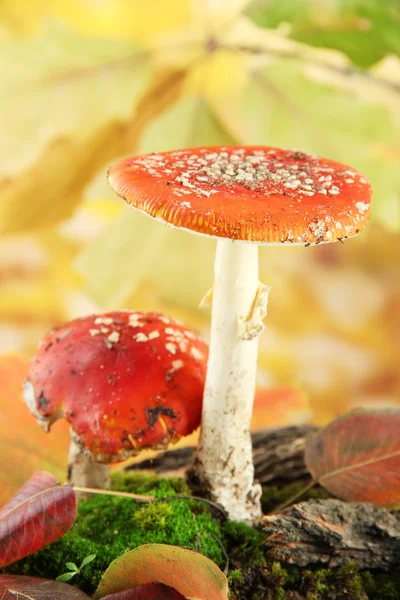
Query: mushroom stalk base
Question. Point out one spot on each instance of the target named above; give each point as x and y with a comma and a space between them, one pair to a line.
83, 471
224, 462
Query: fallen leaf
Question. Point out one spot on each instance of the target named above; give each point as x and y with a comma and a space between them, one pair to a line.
357, 457
15, 587
41, 512
149, 591
190, 573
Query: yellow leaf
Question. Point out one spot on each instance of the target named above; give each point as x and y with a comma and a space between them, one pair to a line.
62, 118
135, 249
133, 243
117, 19
38, 288
219, 73
79, 105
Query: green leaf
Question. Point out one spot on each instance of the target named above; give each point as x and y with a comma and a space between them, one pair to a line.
71, 566
66, 576
63, 118
87, 560
365, 30
189, 573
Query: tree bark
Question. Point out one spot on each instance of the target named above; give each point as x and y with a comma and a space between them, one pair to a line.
278, 455
331, 533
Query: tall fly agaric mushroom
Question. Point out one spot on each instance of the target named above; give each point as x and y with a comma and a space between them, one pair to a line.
124, 381
244, 197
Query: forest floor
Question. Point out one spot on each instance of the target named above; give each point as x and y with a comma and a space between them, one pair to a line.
108, 526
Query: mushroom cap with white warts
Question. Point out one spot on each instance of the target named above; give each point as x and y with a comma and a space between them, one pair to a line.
254, 194
124, 381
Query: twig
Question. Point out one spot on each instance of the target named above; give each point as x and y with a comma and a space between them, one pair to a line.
296, 496
349, 71
131, 60
136, 497
224, 553
276, 93
193, 126
148, 499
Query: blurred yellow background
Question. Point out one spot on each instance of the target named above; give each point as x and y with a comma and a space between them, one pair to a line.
86, 82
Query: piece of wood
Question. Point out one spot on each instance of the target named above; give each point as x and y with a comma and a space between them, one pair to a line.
278, 455
331, 533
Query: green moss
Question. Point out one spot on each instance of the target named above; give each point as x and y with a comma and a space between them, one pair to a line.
343, 583
153, 517
275, 577
274, 496
235, 577
382, 586
143, 483
243, 544
109, 526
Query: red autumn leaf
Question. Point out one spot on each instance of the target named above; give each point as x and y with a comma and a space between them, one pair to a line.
41, 512
189, 573
357, 457
149, 591
36, 484
13, 587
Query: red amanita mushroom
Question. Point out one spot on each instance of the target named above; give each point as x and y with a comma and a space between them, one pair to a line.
124, 381
244, 197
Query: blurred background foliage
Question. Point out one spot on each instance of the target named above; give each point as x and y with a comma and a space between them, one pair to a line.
84, 83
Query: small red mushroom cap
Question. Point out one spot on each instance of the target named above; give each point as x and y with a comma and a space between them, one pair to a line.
124, 381
251, 193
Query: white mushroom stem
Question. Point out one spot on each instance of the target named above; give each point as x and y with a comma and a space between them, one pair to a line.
83, 470
224, 461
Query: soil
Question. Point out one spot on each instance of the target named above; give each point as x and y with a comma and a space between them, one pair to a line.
108, 526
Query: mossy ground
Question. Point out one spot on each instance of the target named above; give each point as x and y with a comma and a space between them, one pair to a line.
108, 526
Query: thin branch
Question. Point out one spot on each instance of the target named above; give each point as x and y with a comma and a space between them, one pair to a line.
224, 553
194, 123
284, 100
149, 499
292, 499
349, 71
136, 497
131, 60
276, 93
